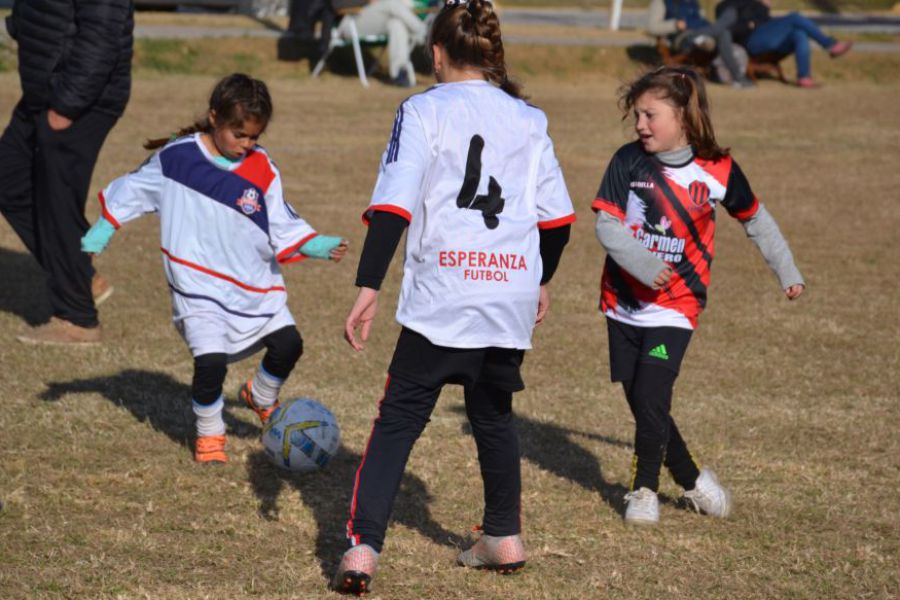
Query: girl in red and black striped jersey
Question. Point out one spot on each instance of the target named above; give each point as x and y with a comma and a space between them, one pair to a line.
656, 220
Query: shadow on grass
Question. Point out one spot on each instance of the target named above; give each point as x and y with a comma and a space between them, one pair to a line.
151, 397
551, 448
327, 493
24, 292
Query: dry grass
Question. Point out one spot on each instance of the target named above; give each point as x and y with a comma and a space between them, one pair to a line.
795, 404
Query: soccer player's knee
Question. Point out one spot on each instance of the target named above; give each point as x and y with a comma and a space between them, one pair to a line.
292, 345
209, 375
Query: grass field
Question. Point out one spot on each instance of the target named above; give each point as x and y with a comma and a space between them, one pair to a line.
794, 404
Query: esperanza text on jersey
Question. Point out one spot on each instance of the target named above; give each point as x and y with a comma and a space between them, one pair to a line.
485, 260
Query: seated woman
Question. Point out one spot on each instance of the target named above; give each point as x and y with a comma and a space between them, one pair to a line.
404, 30
760, 33
683, 23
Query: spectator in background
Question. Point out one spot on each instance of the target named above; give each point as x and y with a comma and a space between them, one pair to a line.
760, 33
398, 21
683, 23
75, 71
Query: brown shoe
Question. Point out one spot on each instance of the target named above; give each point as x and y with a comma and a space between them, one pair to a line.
101, 290
59, 332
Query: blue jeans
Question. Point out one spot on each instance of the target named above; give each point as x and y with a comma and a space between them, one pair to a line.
789, 35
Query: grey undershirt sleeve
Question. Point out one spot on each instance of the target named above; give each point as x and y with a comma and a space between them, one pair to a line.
628, 253
763, 231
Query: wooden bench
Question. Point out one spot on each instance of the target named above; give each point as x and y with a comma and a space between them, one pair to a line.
766, 65
695, 58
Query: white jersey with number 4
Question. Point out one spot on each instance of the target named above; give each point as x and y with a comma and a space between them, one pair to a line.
474, 172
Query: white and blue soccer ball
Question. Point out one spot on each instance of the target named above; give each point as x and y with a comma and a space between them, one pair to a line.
301, 435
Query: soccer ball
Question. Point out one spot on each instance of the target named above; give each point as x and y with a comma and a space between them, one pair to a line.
301, 435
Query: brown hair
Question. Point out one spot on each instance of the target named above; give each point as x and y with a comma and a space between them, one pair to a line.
469, 32
235, 99
683, 88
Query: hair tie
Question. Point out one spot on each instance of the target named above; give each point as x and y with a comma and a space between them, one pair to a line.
455, 3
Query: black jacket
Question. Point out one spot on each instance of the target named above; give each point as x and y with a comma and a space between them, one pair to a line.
74, 55
750, 15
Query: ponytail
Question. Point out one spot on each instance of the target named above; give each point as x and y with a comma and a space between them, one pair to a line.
684, 89
469, 32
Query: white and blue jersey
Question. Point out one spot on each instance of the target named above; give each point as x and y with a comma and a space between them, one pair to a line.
223, 234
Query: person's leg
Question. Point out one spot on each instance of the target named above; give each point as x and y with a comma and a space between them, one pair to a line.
679, 460
402, 415
650, 399
798, 43
726, 51
64, 164
489, 410
16, 165
399, 47
283, 349
805, 24
771, 36
207, 403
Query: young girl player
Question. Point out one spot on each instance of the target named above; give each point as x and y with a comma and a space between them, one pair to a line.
225, 229
656, 218
471, 171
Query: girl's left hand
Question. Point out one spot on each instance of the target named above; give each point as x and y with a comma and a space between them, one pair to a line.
794, 291
338, 252
543, 305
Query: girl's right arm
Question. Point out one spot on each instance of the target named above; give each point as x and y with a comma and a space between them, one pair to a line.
123, 200
611, 206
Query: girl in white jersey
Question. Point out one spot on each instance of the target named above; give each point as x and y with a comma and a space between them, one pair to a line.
225, 229
471, 171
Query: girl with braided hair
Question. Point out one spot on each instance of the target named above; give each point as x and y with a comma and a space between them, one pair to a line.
471, 171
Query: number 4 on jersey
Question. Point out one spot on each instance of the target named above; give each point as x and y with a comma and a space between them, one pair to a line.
490, 205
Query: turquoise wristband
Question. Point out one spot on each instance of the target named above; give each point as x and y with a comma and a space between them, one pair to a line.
321, 246
97, 237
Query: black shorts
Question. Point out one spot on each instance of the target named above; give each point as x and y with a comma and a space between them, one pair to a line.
630, 346
422, 362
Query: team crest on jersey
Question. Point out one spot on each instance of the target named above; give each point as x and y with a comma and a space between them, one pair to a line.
249, 202
699, 193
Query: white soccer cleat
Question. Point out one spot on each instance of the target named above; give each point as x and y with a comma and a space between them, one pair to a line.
643, 507
357, 569
709, 496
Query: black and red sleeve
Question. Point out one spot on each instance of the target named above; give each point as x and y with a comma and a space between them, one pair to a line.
613, 194
739, 200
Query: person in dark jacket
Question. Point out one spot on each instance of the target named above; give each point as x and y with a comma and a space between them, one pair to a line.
757, 31
75, 73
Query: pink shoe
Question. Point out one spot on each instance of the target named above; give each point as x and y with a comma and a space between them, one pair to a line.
839, 48
807, 82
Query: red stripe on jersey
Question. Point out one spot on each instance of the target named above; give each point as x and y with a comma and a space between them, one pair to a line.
720, 169
284, 257
256, 169
229, 279
106, 214
609, 207
744, 215
391, 208
354, 538
554, 223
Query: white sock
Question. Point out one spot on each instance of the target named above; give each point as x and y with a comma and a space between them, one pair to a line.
265, 388
209, 417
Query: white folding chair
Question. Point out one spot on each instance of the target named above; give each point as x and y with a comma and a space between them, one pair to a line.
356, 41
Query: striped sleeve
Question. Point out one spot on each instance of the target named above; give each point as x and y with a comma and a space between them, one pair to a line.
403, 167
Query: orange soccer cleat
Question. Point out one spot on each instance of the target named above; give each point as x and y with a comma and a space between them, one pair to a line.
210, 449
246, 394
